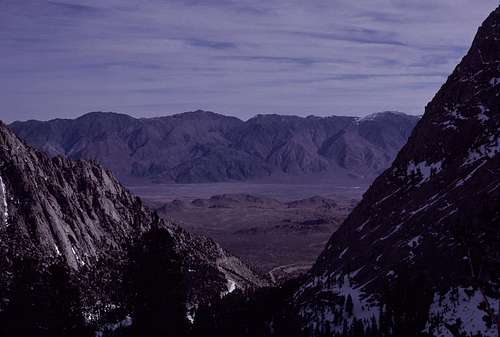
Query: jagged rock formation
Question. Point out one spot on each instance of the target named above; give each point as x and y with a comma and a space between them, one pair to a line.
77, 211
203, 146
420, 255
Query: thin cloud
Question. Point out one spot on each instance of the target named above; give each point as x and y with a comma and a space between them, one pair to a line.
211, 44
63, 58
363, 36
274, 59
72, 8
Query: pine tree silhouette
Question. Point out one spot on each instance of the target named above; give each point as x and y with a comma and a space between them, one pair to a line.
43, 302
156, 287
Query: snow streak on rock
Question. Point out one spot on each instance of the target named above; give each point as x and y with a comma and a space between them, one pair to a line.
3, 205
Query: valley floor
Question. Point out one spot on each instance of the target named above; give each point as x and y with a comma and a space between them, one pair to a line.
279, 229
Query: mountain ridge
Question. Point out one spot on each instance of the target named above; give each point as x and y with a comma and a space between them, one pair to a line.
77, 212
419, 254
203, 146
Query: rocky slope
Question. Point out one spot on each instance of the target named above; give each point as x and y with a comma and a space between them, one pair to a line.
420, 255
203, 146
77, 211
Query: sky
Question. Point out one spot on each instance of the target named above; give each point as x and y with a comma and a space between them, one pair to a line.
63, 58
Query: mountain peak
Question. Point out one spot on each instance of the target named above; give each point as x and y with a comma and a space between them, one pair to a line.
411, 251
103, 114
383, 114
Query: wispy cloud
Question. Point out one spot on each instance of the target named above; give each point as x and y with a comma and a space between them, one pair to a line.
273, 59
62, 58
367, 36
73, 8
211, 44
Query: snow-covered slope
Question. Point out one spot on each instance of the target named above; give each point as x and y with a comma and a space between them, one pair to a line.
421, 252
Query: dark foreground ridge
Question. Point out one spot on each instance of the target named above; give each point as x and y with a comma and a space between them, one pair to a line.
421, 253
70, 225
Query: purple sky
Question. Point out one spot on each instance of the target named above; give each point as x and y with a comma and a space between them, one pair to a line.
158, 57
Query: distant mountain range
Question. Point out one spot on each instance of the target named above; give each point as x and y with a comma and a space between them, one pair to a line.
203, 146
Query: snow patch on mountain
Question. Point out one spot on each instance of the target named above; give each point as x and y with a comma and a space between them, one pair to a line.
386, 197
397, 228
364, 309
231, 286
454, 113
58, 252
4, 207
463, 310
360, 228
424, 170
343, 252
448, 124
77, 257
105, 330
461, 182
482, 114
415, 242
490, 149
376, 115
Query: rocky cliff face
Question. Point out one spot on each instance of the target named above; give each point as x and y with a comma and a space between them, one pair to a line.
420, 254
202, 146
77, 211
